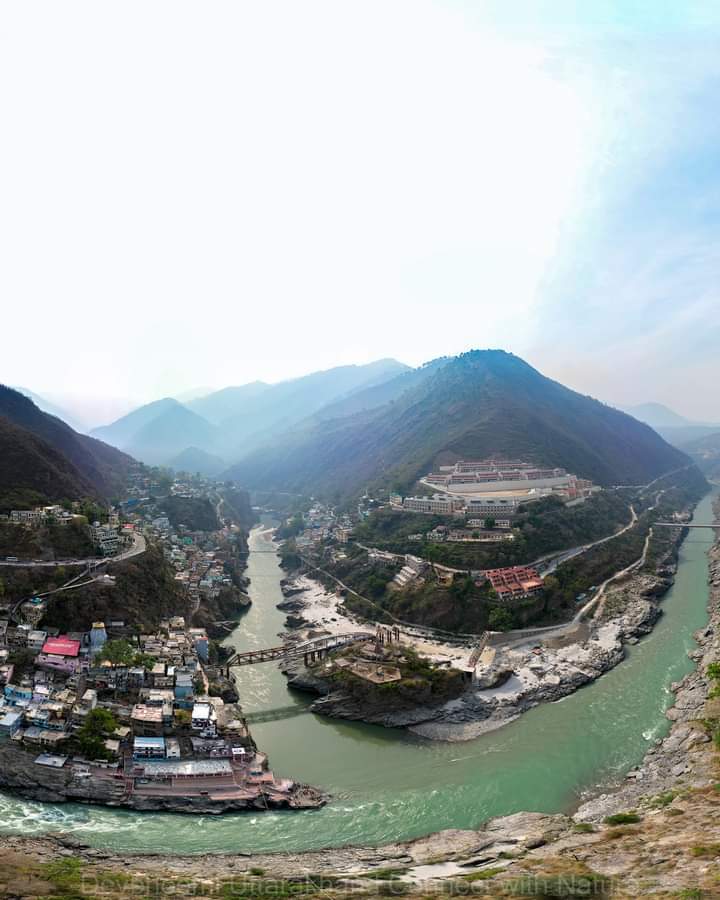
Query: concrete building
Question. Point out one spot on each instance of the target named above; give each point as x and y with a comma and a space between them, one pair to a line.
515, 581
149, 748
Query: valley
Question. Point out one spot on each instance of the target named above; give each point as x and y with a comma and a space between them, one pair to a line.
436, 621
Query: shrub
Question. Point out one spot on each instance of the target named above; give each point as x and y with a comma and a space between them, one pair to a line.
706, 851
626, 818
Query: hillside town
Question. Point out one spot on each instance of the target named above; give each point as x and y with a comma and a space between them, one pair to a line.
137, 718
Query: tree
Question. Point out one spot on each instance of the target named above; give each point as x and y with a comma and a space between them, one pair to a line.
500, 620
99, 724
490, 523
118, 653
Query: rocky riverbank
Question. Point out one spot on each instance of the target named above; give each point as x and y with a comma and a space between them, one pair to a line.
666, 841
686, 758
21, 775
513, 675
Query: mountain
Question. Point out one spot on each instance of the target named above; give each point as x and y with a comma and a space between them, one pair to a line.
283, 405
101, 466
674, 428
657, 415
162, 436
193, 460
706, 453
53, 409
193, 394
377, 395
227, 423
33, 472
229, 401
480, 403
121, 432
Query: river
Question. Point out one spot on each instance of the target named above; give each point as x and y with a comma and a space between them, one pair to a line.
387, 785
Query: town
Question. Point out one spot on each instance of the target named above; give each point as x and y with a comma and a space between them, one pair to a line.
131, 716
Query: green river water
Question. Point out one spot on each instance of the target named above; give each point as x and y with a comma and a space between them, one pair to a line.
387, 785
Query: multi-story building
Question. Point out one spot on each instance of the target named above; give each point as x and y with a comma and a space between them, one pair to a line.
435, 505
515, 581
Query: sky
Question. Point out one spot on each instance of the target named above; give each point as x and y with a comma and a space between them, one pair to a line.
197, 195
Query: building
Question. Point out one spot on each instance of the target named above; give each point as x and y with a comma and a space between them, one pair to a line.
467, 477
35, 640
200, 641
438, 505
515, 581
61, 654
147, 721
204, 718
106, 539
98, 637
26, 516
10, 723
149, 748
493, 506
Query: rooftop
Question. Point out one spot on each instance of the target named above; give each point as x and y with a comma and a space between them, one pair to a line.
61, 646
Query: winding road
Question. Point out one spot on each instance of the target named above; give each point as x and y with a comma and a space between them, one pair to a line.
139, 546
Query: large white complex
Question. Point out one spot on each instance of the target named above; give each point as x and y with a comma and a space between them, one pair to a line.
491, 479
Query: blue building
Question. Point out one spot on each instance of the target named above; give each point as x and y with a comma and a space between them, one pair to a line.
10, 723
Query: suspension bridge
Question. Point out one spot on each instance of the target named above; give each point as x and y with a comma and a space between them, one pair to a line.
310, 650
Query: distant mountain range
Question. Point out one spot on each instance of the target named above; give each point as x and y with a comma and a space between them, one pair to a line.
676, 429
45, 459
52, 408
213, 431
474, 405
706, 453
335, 432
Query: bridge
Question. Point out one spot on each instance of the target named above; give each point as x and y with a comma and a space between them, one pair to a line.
309, 650
278, 714
715, 525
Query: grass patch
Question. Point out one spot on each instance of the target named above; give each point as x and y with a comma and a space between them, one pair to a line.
384, 874
614, 833
624, 818
705, 851
584, 827
484, 875
663, 800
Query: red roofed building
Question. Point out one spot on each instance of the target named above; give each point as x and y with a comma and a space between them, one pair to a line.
60, 653
515, 581
61, 646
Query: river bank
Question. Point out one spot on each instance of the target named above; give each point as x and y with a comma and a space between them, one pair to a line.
20, 774
511, 676
668, 844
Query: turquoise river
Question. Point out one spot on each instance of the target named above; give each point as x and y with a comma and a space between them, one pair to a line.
386, 785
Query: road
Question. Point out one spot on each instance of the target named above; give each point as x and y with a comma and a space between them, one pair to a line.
139, 546
565, 555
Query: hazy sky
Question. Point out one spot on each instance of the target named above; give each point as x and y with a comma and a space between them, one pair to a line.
208, 193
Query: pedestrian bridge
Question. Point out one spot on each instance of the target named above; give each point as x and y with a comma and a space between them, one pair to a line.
309, 650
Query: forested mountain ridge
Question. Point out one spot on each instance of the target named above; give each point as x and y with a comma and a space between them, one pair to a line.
96, 464
481, 403
32, 472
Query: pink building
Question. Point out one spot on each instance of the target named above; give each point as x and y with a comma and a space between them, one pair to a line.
61, 654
